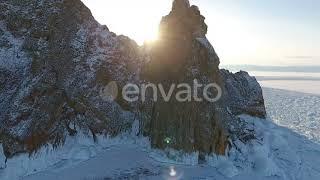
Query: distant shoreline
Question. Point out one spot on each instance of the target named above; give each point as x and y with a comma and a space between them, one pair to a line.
287, 78
307, 69
290, 91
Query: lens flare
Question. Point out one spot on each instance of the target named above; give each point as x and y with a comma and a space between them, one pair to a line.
173, 172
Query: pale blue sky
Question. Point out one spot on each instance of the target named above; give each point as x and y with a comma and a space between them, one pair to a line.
260, 32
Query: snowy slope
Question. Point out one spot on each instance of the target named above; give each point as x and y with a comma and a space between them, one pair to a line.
280, 153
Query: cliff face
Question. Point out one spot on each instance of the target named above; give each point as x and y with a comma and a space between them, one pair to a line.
182, 55
56, 60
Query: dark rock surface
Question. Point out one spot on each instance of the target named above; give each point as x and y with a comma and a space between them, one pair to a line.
181, 55
55, 60
65, 58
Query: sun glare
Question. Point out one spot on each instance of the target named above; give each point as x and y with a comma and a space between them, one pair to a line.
142, 35
237, 36
140, 20
137, 19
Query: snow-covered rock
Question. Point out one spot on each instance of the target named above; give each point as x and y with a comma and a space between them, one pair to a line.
56, 59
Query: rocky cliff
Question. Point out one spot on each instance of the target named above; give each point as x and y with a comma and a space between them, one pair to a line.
183, 54
55, 60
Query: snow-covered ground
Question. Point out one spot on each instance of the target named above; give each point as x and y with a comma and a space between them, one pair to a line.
287, 149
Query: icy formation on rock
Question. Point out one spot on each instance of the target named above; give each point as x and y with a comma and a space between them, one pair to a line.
56, 59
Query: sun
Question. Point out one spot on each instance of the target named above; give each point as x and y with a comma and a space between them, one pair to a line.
145, 35
138, 20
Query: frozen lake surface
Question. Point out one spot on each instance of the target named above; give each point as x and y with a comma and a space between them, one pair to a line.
304, 86
292, 81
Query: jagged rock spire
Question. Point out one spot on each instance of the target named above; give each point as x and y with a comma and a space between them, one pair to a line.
177, 32
181, 55
178, 57
183, 22
180, 6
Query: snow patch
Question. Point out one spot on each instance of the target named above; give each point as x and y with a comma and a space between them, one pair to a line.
223, 164
11, 55
172, 156
75, 150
